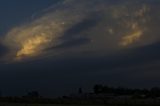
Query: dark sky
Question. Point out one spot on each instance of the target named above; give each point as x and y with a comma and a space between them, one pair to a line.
16, 12
57, 46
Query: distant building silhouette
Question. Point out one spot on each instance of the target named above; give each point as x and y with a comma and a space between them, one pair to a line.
80, 91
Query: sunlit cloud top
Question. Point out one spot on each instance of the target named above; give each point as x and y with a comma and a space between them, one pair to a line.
107, 25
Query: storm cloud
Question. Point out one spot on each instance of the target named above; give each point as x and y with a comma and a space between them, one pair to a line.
100, 26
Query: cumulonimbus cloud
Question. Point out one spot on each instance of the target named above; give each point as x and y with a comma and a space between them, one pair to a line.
108, 25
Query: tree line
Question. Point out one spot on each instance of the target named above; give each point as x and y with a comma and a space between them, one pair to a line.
117, 91
35, 97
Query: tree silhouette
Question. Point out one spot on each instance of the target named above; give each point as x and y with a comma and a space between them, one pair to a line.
33, 94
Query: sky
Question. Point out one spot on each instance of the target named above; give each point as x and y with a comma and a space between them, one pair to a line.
57, 46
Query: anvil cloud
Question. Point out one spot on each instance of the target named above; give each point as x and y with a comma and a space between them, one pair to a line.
94, 25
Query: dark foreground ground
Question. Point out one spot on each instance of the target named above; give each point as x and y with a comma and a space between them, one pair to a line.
20, 104
120, 102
